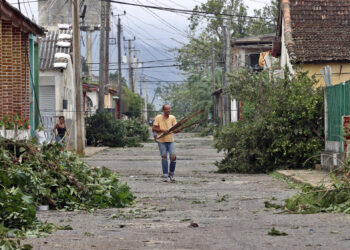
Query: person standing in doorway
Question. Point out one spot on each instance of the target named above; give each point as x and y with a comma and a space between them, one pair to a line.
162, 124
61, 130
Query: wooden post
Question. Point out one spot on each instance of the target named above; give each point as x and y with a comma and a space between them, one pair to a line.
120, 90
77, 74
107, 16
213, 80
101, 87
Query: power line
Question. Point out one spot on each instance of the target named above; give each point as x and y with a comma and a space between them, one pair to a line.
163, 21
184, 11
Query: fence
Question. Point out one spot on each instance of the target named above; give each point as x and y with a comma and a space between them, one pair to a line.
338, 106
20, 134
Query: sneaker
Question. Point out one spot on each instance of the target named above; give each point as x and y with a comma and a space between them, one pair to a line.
172, 178
164, 179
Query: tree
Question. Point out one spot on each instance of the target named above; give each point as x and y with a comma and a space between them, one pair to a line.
282, 124
267, 21
132, 103
192, 95
205, 32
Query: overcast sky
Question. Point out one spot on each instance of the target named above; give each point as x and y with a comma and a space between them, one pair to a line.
156, 32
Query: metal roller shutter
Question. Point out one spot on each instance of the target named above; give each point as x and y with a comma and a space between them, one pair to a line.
47, 109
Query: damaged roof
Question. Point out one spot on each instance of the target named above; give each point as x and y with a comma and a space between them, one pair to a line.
316, 30
48, 49
255, 42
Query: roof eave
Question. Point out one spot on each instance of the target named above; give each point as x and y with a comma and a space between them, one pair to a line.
16, 16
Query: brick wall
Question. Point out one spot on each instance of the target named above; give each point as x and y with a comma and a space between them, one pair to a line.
14, 71
1, 89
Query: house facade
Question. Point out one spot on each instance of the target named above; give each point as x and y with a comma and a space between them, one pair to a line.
314, 34
57, 86
18, 73
90, 93
252, 52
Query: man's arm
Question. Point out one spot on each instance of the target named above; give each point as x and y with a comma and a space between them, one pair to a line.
156, 128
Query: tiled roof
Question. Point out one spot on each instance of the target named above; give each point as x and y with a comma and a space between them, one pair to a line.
48, 49
319, 29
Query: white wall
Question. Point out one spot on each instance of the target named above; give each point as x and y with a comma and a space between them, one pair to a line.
64, 90
284, 52
94, 98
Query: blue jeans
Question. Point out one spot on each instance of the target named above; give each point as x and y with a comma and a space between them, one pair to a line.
58, 140
164, 149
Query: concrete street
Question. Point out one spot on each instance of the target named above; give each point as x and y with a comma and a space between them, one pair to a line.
228, 208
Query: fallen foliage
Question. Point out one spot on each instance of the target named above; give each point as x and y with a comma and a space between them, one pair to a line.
32, 176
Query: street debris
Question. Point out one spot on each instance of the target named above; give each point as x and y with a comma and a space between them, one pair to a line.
193, 224
274, 232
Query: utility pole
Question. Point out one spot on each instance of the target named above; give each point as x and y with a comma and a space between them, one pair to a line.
101, 87
131, 82
146, 97
136, 65
213, 80
108, 27
228, 65
119, 69
79, 91
88, 52
224, 75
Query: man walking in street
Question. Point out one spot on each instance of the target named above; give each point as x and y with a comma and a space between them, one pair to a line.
162, 124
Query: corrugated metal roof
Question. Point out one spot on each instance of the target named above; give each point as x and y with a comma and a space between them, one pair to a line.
48, 49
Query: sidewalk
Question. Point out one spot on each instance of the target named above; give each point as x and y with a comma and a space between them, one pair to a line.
89, 151
311, 177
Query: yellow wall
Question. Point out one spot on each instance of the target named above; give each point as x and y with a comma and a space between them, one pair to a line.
108, 101
340, 72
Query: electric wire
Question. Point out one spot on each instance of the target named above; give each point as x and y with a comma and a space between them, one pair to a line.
185, 11
162, 20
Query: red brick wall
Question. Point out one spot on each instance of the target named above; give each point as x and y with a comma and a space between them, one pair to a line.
1, 89
14, 71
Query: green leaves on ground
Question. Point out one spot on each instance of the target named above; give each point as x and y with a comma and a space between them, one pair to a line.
102, 129
282, 123
32, 176
274, 232
321, 199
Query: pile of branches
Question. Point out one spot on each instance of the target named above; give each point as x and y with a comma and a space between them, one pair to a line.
334, 198
32, 176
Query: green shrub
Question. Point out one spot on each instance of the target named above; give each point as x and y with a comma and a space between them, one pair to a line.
102, 129
135, 128
282, 124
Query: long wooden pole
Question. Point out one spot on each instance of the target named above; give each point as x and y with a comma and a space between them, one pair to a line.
213, 80
120, 90
77, 73
101, 87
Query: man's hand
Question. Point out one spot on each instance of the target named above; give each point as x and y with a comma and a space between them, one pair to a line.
164, 131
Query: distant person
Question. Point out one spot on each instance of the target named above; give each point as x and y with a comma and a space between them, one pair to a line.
162, 124
150, 122
61, 131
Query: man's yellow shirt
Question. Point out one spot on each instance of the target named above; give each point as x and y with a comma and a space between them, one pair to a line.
165, 124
